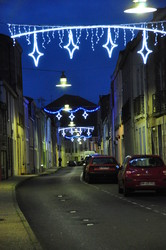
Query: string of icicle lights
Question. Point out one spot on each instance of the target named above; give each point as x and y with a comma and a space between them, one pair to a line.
76, 133
70, 36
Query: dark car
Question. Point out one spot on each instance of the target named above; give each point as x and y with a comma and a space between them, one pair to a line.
100, 166
71, 163
142, 172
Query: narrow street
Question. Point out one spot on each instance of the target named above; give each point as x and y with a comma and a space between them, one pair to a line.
66, 213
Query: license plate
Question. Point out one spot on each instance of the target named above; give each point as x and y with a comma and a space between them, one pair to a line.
103, 168
147, 183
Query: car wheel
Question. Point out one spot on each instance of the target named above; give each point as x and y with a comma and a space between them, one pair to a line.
120, 190
160, 191
83, 176
88, 178
125, 191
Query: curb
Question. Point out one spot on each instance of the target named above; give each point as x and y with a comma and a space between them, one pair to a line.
33, 239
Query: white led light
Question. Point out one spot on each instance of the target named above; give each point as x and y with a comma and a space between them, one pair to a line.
109, 46
63, 133
85, 115
144, 52
59, 116
71, 46
140, 7
71, 116
76, 133
20, 30
35, 54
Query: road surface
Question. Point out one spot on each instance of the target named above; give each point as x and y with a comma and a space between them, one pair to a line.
66, 213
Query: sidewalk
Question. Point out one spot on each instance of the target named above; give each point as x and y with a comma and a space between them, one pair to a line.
15, 232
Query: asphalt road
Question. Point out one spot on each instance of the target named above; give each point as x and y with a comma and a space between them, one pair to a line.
66, 213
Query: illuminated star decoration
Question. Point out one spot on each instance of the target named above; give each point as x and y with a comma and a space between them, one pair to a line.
59, 116
71, 116
35, 54
76, 133
144, 52
22, 30
109, 46
71, 46
85, 115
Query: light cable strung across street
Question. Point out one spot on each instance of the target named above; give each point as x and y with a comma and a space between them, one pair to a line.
96, 32
72, 133
71, 116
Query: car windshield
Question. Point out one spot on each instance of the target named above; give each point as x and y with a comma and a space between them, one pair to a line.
105, 160
146, 162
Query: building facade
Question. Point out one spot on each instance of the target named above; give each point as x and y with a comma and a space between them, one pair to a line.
139, 103
27, 137
73, 148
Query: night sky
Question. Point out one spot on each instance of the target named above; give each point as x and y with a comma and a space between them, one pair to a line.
89, 71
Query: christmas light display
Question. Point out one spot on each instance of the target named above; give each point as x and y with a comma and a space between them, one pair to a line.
76, 132
109, 44
71, 47
35, 54
96, 32
78, 137
144, 51
71, 116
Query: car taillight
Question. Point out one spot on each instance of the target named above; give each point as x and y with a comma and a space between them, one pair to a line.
128, 172
91, 169
164, 172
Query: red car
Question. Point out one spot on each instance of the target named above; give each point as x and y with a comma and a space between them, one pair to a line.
100, 166
142, 172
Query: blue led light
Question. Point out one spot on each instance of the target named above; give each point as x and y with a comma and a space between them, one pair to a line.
76, 132
22, 30
71, 116
78, 137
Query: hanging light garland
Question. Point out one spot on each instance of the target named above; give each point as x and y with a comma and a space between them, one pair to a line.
72, 133
71, 112
95, 32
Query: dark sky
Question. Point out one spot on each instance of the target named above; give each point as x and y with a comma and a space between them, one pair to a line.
89, 71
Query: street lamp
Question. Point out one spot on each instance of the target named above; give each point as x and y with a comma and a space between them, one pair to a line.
63, 81
140, 7
67, 108
71, 124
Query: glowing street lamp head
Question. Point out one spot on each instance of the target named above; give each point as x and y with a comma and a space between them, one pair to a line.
140, 7
67, 108
71, 124
63, 81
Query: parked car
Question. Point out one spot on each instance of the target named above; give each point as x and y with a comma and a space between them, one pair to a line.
71, 163
142, 172
87, 158
100, 166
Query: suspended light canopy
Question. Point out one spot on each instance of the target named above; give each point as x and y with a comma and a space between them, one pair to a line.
63, 81
140, 7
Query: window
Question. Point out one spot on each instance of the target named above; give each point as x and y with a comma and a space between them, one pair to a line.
146, 162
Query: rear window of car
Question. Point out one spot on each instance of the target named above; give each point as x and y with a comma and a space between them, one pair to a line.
103, 160
146, 162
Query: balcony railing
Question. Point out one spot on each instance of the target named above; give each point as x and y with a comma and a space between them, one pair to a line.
159, 103
139, 105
